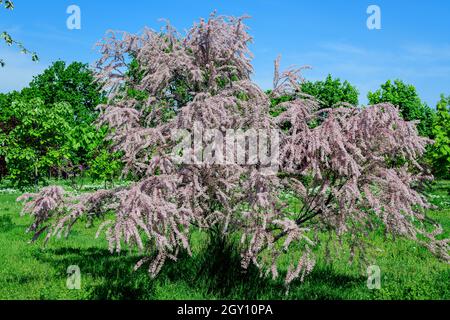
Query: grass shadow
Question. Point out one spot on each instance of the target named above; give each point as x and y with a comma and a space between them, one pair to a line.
214, 272
6, 223
112, 275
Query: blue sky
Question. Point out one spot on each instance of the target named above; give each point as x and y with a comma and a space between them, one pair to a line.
329, 35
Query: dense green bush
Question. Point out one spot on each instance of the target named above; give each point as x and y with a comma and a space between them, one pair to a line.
105, 166
34, 139
440, 151
412, 108
64, 99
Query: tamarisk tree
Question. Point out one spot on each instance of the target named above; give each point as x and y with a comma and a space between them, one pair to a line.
343, 171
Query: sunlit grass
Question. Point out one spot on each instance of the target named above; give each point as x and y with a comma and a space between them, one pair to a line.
30, 271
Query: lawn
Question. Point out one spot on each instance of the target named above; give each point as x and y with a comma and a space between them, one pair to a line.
30, 271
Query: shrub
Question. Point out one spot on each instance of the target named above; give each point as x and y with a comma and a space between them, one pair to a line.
349, 187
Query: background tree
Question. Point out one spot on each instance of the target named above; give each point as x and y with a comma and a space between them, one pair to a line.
440, 151
9, 5
331, 92
36, 142
73, 84
405, 96
59, 85
7, 123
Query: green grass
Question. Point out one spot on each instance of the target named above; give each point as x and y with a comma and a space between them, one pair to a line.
29, 271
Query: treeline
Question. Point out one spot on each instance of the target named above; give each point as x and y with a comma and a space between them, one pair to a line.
48, 129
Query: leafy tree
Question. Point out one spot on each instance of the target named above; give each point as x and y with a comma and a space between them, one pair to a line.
350, 189
73, 84
440, 151
7, 123
407, 99
331, 92
35, 143
3, 104
69, 85
9, 5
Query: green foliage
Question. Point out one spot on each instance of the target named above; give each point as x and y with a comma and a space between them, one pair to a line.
275, 109
331, 92
89, 153
67, 98
440, 151
408, 271
407, 99
34, 141
105, 166
73, 84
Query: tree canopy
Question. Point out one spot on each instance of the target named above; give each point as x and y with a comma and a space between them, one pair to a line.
63, 97
405, 96
331, 92
35, 140
440, 151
